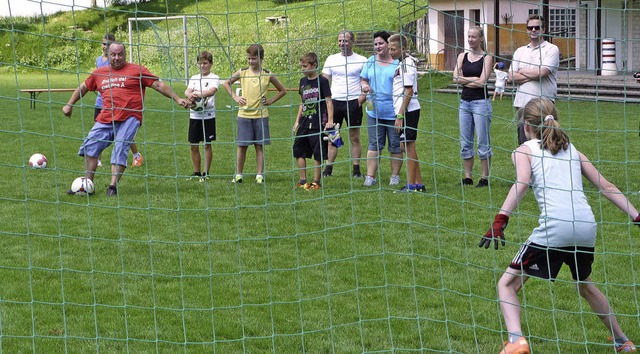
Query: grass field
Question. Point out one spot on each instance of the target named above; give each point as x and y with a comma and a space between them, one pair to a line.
173, 265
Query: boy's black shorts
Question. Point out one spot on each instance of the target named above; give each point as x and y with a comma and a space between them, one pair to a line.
411, 120
309, 143
545, 262
202, 130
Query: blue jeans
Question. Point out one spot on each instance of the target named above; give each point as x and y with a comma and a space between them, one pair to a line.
475, 117
379, 131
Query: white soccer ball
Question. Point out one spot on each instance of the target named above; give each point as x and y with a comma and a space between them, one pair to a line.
38, 161
82, 186
199, 104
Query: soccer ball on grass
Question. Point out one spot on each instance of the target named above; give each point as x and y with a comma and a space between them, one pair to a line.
38, 161
82, 186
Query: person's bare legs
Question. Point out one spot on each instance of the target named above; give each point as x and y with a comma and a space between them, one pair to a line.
208, 157
372, 163
396, 164
241, 157
259, 159
508, 286
413, 164
116, 173
90, 166
467, 166
317, 171
486, 164
196, 158
600, 305
302, 168
356, 146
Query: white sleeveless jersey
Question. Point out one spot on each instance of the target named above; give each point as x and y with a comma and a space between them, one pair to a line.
565, 218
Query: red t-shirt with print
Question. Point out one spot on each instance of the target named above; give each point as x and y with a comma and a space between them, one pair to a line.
122, 91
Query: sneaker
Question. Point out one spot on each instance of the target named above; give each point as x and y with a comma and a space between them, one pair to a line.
259, 179
357, 175
99, 163
420, 188
302, 185
627, 347
369, 181
195, 176
137, 161
313, 186
203, 177
483, 182
518, 347
467, 182
112, 191
405, 189
394, 180
237, 178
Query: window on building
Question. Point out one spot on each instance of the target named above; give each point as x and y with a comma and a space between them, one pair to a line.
562, 22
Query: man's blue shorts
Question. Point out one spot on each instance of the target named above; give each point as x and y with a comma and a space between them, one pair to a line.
121, 134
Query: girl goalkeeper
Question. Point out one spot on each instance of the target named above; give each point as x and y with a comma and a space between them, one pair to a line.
553, 168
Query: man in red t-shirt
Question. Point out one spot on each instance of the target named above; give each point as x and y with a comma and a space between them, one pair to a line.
122, 86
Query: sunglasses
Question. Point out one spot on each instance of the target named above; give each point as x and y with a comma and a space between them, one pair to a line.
531, 28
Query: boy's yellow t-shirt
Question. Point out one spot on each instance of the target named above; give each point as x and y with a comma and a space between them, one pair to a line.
253, 88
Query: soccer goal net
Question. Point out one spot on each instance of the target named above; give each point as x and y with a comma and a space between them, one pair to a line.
177, 262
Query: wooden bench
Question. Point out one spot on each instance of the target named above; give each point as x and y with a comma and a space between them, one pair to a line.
34, 93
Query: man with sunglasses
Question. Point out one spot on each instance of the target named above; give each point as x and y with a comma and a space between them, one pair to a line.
534, 69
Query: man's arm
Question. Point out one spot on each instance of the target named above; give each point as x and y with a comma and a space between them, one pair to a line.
166, 91
75, 96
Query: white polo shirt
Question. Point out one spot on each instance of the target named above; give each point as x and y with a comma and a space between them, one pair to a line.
545, 55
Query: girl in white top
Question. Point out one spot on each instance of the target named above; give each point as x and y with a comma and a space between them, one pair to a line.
566, 234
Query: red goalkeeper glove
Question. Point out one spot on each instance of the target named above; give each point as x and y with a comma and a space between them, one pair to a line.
495, 232
636, 221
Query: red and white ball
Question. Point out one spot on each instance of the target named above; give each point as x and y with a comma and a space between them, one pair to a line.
82, 186
38, 161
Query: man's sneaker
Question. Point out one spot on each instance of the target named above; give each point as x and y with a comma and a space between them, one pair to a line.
394, 180
627, 347
312, 187
259, 179
520, 346
137, 161
369, 181
357, 175
195, 176
483, 182
237, 179
302, 185
467, 182
405, 189
420, 188
112, 191
203, 177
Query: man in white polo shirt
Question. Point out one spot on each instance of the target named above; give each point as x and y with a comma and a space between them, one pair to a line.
534, 69
343, 71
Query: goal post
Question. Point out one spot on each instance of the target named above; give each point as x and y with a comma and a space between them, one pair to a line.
185, 40
170, 40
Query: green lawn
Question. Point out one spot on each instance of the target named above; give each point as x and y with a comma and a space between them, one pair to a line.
173, 265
